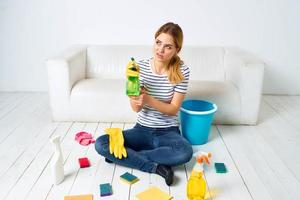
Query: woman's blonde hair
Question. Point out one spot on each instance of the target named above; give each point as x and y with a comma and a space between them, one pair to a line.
174, 73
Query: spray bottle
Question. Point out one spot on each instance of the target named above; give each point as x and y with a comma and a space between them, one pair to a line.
196, 187
57, 167
132, 83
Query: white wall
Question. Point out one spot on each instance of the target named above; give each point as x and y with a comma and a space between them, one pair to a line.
32, 30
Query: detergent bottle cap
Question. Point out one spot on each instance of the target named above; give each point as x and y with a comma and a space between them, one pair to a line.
203, 157
198, 167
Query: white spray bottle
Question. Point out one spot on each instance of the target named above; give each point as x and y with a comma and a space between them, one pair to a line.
57, 167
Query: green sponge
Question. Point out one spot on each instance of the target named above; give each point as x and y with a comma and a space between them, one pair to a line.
220, 168
129, 178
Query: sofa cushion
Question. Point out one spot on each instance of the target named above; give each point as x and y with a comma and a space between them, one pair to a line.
224, 94
87, 94
205, 63
110, 61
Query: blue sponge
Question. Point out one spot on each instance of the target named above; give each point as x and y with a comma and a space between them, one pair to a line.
105, 189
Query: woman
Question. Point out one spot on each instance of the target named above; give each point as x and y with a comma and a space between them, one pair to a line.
155, 144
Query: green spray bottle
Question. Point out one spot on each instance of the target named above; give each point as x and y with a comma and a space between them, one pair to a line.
133, 82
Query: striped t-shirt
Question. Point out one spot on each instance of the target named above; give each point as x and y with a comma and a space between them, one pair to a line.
159, 87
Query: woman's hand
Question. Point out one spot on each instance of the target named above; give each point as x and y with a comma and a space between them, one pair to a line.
137, 102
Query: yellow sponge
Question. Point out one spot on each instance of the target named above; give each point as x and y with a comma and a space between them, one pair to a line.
79, 197
153, 193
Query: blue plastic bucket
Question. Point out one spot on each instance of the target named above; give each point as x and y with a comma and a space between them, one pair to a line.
196, 117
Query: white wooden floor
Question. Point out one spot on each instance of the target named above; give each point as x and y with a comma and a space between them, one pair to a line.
263, 160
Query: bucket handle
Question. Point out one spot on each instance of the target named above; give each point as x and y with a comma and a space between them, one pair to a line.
200, 112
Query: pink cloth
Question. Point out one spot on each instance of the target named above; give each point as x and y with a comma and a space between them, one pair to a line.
84, 138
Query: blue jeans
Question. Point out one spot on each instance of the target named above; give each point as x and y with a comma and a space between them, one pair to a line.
147, 147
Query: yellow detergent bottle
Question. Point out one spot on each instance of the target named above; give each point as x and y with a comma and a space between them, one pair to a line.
196, 186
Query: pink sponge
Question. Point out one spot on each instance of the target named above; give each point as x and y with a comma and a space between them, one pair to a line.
84, 162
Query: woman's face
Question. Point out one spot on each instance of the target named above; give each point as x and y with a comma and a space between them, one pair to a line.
164, 48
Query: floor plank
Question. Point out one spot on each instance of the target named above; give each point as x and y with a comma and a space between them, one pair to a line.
84, 175
123, 189
44, 183
21, 114
102, 171
21, 140
9, 102
229, 185
262, 160
283, 137
71, 167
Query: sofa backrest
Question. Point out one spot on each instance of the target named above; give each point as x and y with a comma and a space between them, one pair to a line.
109, 61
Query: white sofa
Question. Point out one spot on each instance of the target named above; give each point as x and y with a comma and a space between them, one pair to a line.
87, 83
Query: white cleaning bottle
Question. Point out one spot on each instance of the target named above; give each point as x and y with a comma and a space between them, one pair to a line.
56, 164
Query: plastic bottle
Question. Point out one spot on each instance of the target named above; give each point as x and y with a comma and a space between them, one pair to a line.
56, 164
133, 82
196, 186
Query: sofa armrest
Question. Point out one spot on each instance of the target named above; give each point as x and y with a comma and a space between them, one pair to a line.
64, 70
246, 72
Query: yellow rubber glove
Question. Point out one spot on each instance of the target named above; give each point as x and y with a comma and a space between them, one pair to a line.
132, 69
116, 142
